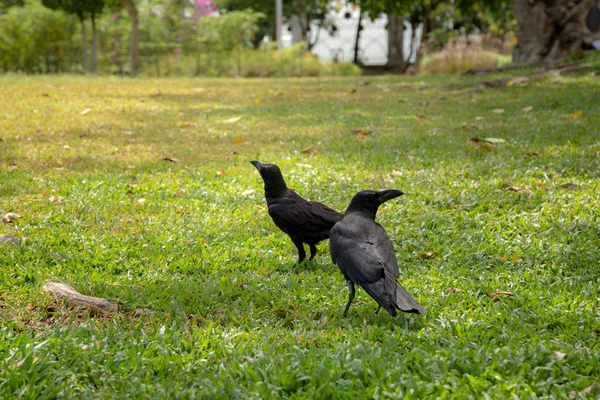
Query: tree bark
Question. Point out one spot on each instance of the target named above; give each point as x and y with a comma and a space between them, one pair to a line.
86, 66
94, 45
395, 28
550, 30
358, 30
134, 53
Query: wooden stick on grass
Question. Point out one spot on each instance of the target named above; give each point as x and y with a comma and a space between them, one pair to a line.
97, 305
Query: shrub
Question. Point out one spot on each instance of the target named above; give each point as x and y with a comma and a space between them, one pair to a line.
266, 61
461, 54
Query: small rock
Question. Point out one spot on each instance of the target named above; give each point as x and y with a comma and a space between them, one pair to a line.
9, 239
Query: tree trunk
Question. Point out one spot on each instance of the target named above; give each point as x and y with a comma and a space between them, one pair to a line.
86, 66
134, 53
94, 45
427, 9
395, 28
358, 30
549, 30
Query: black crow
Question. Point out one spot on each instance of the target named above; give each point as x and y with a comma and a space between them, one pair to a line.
364, 253
304, 221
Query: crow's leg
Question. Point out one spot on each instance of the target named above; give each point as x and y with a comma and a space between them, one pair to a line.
313, 251
350, 296
301, 251
378, 308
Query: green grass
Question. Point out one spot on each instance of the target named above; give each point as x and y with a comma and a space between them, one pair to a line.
193, 241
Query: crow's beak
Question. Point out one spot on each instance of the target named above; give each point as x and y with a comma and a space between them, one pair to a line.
385, 195
257, 164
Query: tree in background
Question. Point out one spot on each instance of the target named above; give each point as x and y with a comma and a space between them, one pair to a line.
82, 9
134, 36
418, 14
266, 7
414, 12
35, 39
304, 12
549, 30
6, 4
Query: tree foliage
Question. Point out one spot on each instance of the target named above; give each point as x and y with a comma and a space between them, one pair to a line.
82, 8
35, 39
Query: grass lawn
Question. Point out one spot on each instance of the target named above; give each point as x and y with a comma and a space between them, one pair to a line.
504, 257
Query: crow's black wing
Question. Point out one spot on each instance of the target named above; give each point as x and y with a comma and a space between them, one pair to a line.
354, 249
298, 215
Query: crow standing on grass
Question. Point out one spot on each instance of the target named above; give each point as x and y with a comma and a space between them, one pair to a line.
361, 249
304, 221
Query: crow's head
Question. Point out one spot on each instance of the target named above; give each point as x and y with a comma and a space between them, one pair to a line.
267, 171
369, 200
271, 174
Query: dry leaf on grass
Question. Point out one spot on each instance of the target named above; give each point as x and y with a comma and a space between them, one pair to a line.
481, 144
527, 109
571, 186
586, 391
232, 120
10, 217
280, 313
531, 153
559, 355
518, 189
310, 150
521, 81
19, 363
494, 140
84, 112
97, 343
426, 254
470, 127
421, 117
577, 114
498, 110
171, 159
55, 199
239, 141
513, 258
361, 132
496, 295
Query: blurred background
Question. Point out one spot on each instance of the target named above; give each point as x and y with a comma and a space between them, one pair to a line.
318, 37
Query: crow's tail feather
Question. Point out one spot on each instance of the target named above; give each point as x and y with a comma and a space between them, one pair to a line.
405, 302
377, 291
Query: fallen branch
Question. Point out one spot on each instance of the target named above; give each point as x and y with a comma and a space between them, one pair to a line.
97, 305
480, 71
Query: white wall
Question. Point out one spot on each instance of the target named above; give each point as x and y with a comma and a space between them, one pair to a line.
373, 44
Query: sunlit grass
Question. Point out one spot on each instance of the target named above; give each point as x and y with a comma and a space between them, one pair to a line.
103, 212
